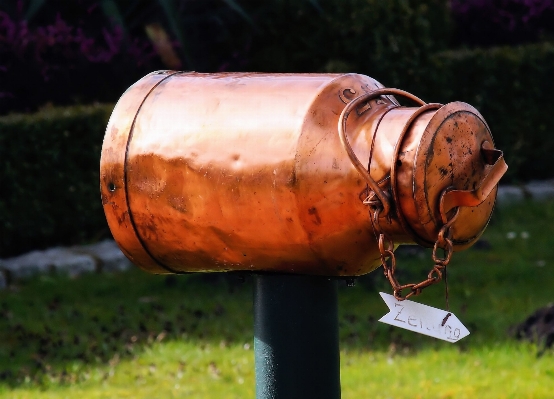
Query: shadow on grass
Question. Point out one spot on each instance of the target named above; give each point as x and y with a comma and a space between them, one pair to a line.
50, 322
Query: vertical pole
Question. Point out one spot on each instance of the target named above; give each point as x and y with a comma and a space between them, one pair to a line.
296, 343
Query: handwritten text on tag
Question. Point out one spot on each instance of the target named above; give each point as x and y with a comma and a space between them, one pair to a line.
423, 319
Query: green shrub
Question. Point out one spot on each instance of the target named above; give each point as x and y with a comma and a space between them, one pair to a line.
388, 40
512, 87
50, 173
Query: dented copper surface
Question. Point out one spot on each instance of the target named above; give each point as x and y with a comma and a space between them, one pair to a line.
231, 171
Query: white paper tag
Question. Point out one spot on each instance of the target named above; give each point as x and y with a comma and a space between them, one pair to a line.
423, 319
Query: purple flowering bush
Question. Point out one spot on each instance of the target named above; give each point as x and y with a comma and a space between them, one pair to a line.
502, 22
81, 51
55, 60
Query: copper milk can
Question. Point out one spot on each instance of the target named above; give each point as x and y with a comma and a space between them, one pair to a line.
289, 173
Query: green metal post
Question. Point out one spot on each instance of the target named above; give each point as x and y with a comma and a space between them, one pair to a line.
296, 343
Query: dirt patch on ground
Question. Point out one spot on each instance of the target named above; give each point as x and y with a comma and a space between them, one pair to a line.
538, 328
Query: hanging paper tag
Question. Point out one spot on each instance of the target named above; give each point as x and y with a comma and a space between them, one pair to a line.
423, 319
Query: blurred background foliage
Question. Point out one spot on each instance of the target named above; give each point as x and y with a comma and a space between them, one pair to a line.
90, 50
497, 55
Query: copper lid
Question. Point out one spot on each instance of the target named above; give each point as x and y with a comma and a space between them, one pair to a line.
454, 155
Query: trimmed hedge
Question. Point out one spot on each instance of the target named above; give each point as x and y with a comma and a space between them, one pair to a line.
513, 89
49, 181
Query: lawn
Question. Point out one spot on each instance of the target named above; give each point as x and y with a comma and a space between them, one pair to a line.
133, 335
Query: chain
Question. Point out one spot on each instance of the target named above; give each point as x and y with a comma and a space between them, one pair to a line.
388, 260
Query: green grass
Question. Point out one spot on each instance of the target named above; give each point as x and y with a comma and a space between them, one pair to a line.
133, 335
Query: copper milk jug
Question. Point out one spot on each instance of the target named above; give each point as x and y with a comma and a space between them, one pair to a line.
289, 173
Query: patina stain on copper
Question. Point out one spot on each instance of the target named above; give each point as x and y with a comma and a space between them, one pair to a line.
219, 172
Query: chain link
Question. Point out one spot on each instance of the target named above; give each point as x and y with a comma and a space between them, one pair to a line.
388, 259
